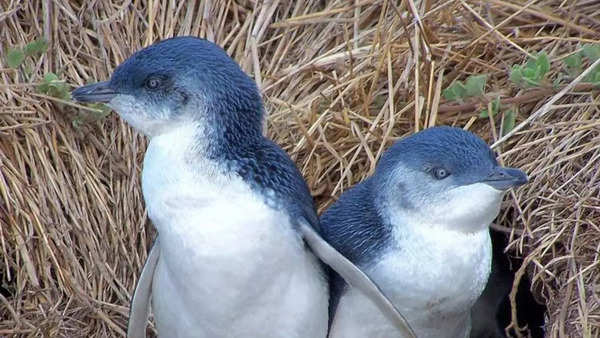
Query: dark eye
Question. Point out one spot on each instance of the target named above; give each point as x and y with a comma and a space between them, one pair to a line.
440, 173
153, 82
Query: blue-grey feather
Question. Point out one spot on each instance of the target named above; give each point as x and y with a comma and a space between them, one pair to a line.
354, 227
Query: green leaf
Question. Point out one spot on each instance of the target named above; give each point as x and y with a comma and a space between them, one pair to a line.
495, 107
14, 57
475, 85
38, 46
509, 121
542, 64
50, 77
530, 73
51, 85
574, 61
531, 82
594, 76
591, 52
455, 92
516, 74
60, 92
531, 64
44, 86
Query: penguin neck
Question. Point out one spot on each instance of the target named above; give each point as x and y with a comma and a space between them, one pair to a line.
216, 142
180, 145
234, 133
178, 160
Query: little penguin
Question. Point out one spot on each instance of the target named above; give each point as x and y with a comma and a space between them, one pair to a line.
419, 228
238, 246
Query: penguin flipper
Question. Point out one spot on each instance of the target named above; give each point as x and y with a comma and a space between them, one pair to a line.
140, 304
353, 276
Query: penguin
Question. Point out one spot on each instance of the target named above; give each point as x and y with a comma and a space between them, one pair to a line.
419, 228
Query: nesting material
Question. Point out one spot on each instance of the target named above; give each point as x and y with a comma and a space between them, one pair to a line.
341, 81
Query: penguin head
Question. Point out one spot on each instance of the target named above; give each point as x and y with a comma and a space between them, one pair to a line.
179, 81
444, 176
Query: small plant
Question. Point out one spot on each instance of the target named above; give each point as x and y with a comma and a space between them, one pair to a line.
51, 85
591, 52
509, 118
473, 86
495, 107
532, 73
16, 56
574, 63
508, 124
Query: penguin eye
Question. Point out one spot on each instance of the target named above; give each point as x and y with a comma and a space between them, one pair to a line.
153, 82
440, 173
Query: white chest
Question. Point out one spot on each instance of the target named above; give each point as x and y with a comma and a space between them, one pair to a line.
433, 277
229, 263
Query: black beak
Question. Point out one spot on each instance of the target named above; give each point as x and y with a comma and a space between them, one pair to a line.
506, 178
96, 92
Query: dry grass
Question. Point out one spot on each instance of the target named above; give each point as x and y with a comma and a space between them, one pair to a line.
341, 81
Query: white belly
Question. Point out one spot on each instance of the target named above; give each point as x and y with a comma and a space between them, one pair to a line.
235, 270
230, 265
433, 284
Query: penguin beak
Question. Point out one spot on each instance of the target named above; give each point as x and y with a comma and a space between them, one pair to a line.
96, 92
505, 178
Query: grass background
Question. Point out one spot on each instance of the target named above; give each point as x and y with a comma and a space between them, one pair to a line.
341, 81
